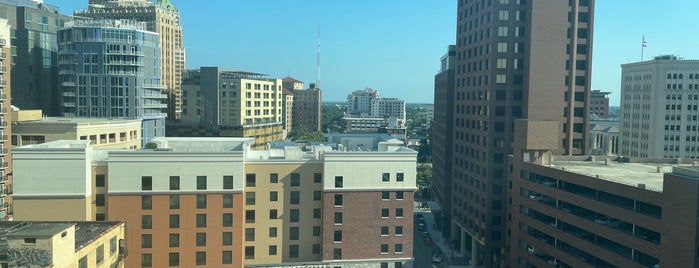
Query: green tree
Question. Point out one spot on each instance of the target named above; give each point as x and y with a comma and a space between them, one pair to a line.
301, 134
424, 175
331, 120
151, 145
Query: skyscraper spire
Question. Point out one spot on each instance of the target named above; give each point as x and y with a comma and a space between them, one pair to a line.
318, 61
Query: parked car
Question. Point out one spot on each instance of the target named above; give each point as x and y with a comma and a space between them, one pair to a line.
437, 257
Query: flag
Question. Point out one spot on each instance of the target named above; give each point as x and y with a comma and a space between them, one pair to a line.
644, 44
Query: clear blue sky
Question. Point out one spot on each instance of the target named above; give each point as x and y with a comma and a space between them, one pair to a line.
394, 46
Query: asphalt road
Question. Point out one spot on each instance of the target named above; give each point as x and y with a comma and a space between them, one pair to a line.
421, 251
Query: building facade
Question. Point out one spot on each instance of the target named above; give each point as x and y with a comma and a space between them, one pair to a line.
111, 68
280, 207
599, 104
162, 17
34, 54
5, 123
659, 115
239, 103
604, 137
62, 244
287, 109
579, 211
307, 110
30, 127
514, 59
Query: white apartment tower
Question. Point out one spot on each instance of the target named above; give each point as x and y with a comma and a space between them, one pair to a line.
659, 108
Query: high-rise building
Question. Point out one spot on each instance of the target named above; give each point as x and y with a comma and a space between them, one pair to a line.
359, 102
599, 103
659, 114
5, 124
230, 103
307, 109
215, 202
111, 68
514, 59
34, 54
161, 17
287, 109
442, 134
572, 211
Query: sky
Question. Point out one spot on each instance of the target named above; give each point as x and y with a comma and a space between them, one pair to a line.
394, 46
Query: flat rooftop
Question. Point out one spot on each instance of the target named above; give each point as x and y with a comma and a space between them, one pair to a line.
650, 172
79, 120
85, 232
201, 144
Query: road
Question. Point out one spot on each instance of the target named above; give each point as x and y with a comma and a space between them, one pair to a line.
421, 251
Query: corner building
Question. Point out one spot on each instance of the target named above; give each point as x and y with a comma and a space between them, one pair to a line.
214, 202
514, 59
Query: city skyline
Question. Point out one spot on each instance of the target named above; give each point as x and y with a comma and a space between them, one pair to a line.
396, 48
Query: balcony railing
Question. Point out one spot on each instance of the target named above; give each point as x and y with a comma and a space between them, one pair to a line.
3, 70
68, 84
3, 110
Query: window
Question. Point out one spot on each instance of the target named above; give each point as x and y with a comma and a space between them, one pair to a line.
227, 200
386, 177
316, 230
384, 213
201, 182
83, 262
316, 249
338, 200
502, 47
294, 215
295, 179
250, 180
174, 221
384, 248
399, 230
501, 64
99, 200
501, 79
146, 183
201, 220
99, 258
227, 182
293, 251
250, 198
398, 248
201, 257
249, 234
250, 216
399, 177
272, 231
174, 240
227, 238
273, 178
174, 182
227, 219
338, 181
112, 245
399, 213
384, 265
338, 218
99, 180
249, 252
503, 15
227, 257
317, 195
385, 195
273, 196
337, 254
146, 221
316, 213
201, 239
399, 195
317, 177
273, 250
201, 201
294, 198
174, 259
174, 202
293, 233
502, 31
384, 230
146, 260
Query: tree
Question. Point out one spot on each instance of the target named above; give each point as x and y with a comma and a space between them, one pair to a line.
301, 134
331, 119
150, 145
424, 152
424, 175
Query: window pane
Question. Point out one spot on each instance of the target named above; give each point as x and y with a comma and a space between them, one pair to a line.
201, 182
174, 201
227, 182
227, 200
174, 182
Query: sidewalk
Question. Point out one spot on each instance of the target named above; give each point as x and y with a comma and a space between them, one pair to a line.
440, 241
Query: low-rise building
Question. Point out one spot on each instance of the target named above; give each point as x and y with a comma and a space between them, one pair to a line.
62, 244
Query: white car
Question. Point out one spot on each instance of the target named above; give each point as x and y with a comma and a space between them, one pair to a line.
437, 258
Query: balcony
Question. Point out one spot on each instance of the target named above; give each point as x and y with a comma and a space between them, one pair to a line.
66, 72
3, 111
68, 94
3, 70
3, 96
3, 56
68, 84
4, 206
69, 104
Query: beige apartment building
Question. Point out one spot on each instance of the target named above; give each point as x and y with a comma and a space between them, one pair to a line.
30, 127
161, 17
62, 244
5, 124
215, 202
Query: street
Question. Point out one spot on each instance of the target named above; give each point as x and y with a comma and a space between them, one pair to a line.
421, 251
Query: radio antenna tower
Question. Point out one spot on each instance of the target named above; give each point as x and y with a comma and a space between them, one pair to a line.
318, 61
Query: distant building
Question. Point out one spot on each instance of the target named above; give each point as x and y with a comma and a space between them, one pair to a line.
162, 17
5, 123
34, 54
62, 244
291, 84
111, 68
359, 102
30, 127
278, 207
599, 104
307, 110
221, 102
367, 112
580, 211
659, 108
287, 109
604, 137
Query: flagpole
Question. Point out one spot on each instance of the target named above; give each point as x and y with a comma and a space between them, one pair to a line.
643, 45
